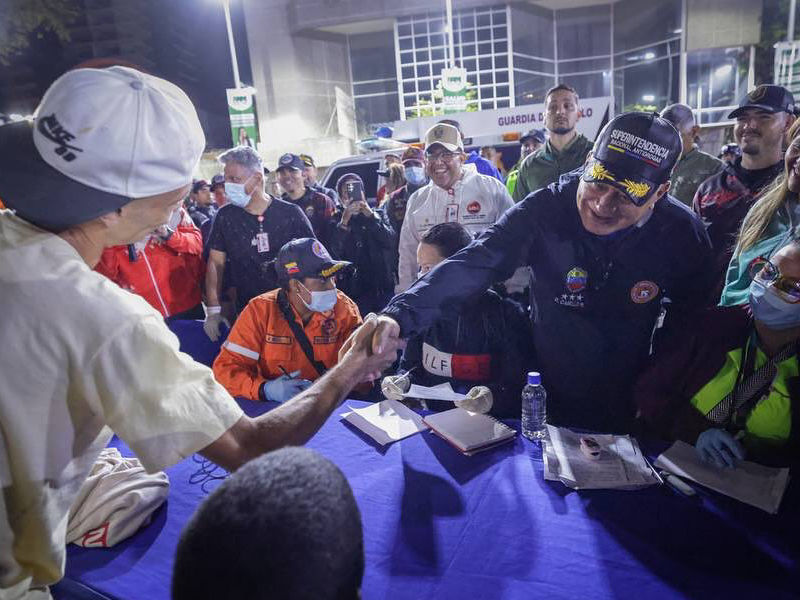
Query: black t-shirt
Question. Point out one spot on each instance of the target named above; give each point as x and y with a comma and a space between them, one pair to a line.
756, 179
234, 233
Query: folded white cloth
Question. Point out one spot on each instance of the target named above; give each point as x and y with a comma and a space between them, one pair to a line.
117, 498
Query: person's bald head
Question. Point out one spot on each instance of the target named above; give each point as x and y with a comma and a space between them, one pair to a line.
682, 119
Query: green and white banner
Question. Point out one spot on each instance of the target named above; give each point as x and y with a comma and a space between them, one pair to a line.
242, 111
454, 90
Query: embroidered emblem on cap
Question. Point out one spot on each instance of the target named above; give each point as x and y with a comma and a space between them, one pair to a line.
319, 251
643, 292
438, 132
291, 268
286, 159
576, 279
757, 94
599, 172
50, 128
635, 188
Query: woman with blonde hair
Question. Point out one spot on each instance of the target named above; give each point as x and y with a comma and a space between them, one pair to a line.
771, 223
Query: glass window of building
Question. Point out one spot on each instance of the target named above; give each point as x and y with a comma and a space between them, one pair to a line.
716, 79
533, 44
646, 54
375, 93
480, 39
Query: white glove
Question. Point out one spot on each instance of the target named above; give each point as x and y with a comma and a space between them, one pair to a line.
479, 400
213, 320
394, 386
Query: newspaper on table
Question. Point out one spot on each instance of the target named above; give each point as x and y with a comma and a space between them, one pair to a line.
619, 464
748, 482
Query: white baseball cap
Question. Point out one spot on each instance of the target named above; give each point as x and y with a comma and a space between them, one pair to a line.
101, 138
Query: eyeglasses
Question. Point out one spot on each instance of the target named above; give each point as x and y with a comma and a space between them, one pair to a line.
446, 157
763, 271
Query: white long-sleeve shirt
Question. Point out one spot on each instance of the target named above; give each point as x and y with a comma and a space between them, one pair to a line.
475, 201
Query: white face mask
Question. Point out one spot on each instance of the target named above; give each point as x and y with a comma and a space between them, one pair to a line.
236, 194
320, 301
415, 175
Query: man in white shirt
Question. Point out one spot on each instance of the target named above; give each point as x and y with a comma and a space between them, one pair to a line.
455, 193
109, 157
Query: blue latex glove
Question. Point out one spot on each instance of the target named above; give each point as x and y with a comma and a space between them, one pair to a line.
719, 447
285, 387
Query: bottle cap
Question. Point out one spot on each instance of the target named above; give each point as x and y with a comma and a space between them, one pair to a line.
534, 378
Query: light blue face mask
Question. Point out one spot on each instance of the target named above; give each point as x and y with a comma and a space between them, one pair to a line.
320, 301
770, 309
236, 194
415, 175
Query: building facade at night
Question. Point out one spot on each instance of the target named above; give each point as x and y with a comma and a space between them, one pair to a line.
388, 56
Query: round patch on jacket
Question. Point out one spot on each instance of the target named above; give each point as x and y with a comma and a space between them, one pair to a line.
643, 292
576, 279
474, 208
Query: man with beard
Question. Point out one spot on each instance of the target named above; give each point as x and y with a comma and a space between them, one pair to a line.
722, 201
564, 151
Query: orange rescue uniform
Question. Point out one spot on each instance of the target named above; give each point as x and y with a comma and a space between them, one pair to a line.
261, 342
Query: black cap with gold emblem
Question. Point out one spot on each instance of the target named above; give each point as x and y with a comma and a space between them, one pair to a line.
635, 153
769, 98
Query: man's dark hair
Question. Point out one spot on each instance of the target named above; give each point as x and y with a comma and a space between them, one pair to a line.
448, 238
284, 526
680, 115
561, 87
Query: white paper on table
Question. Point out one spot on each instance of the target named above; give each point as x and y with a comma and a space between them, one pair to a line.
443, 391
386, 421
620, 465
748, 482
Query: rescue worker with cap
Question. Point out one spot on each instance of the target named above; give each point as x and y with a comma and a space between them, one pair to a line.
455, 193
481, 348
565, 149
310, 177
609, 250
287, 338
109, 157
694, 165
319, 208
729, 152
528, 144
722, 201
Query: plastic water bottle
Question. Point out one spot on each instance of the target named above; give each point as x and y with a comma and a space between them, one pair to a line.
534, 408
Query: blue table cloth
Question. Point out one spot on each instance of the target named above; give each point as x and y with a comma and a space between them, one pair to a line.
441, 525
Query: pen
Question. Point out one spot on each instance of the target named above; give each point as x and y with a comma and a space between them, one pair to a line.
678, 484
285, 372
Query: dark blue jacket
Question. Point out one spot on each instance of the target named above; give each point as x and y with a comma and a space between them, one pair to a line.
486, 343
483, 166
595, 301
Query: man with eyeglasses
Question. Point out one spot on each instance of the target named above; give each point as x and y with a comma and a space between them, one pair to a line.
727, 382
609, 251
455, 193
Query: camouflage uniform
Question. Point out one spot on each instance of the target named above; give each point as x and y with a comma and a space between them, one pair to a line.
692, 170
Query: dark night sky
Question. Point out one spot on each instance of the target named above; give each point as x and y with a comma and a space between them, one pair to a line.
47, 57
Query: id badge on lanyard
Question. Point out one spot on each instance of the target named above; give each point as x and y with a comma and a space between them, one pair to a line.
262, 237
451, 211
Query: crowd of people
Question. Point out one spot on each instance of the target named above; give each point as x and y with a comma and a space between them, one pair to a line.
620, 251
